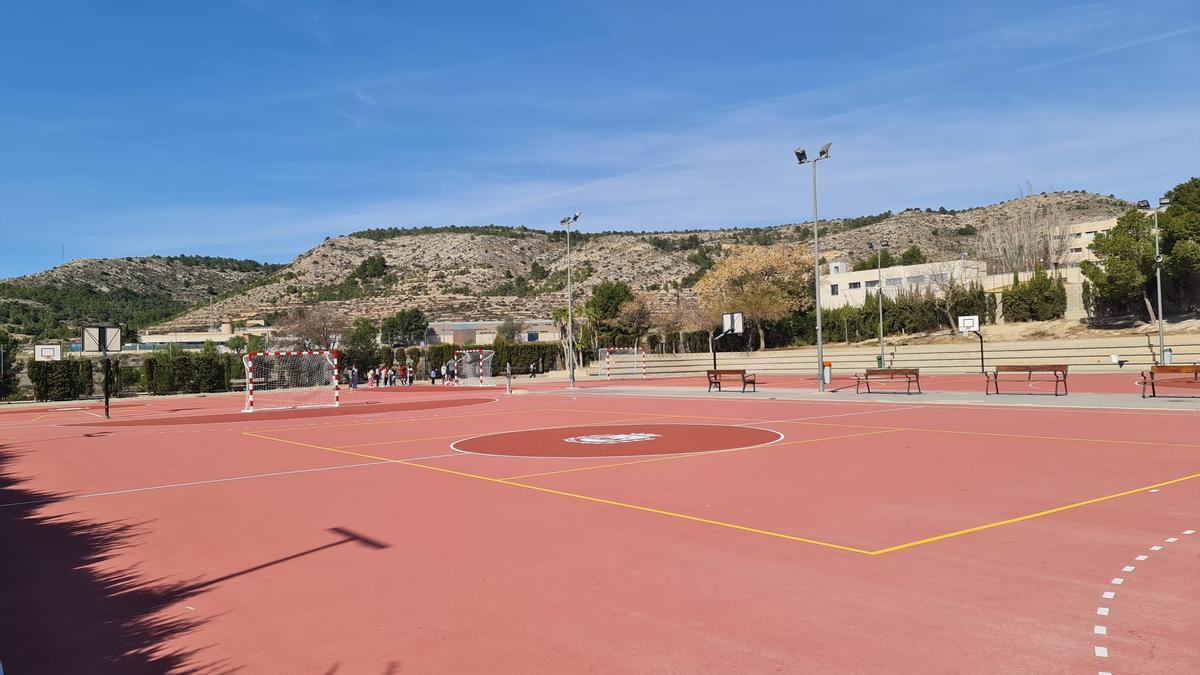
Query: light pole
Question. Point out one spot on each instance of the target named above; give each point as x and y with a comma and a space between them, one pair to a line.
566, 222
1144, 205
883, 243
802, 158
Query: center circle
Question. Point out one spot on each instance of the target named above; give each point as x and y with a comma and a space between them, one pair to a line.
629, 439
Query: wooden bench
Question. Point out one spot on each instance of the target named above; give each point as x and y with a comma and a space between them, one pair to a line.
1058, 371
1182, 379
911, 376
714, 378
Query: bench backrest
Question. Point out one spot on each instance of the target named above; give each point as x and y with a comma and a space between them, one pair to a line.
1039, 368
1189, 369
726, 372
892, 371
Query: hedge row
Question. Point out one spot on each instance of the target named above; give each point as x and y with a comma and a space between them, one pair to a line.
188, 372
64, 380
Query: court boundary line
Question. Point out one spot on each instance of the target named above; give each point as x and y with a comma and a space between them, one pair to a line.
735, 526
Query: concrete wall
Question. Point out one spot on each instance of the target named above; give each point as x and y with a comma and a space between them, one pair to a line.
1085, 355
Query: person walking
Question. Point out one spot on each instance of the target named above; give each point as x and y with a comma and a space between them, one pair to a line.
354, 377
451, 372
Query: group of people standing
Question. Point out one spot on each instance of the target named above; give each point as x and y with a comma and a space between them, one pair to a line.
384, 376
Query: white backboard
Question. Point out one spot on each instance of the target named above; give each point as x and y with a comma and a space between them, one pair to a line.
732, 323
47, 352
101, 338
966, 324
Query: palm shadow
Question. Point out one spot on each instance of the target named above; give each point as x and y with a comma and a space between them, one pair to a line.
62, 610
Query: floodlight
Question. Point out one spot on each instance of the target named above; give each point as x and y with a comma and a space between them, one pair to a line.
1164, 201
1143, 203
564, 222
884, 244
801, 156
824, 151
576, 216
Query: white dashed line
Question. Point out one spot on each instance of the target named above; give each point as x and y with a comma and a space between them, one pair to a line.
1117, 581
1155, 548
1189, 532
1102, 611
1141, 557
1127, 568
1100, 630
1172, 540
1102, 652
1109, 595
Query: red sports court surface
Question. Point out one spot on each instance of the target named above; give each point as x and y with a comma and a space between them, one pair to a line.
468, 530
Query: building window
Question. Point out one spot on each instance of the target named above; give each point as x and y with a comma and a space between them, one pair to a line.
1092, 233
833, 289
894, 282
1077, 250
855, 284
872, 284
1079, 235
916, 281
531, 337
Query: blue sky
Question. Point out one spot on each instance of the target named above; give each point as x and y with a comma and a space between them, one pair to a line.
256, 128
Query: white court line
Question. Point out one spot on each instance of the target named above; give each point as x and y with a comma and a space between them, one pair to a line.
169, 486
1109, 595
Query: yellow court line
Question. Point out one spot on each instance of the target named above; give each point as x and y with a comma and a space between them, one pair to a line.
1032, 515
442, 438
734, 526
698, 454
385, 420
597, 500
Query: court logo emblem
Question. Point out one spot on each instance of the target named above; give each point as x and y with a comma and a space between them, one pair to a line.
609, 439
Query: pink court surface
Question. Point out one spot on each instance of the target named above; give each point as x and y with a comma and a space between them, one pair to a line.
606, 530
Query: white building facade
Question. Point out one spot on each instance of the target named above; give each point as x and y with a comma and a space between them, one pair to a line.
840, 287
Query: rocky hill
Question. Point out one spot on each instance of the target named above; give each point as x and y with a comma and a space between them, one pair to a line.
186, 279
131, 291
481, 273
492, 272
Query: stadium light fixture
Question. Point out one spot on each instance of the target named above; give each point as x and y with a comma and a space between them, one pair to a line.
566, 222
802, 158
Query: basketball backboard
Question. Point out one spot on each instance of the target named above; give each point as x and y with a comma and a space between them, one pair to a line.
47, 353
731, 322
967, 324
102, 338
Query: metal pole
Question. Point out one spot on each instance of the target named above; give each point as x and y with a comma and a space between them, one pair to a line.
1158, 282
570, 314
879, 270
982, 369
817, 284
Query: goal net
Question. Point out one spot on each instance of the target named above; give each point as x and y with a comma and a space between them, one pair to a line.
282, 380
622, 362
474, 367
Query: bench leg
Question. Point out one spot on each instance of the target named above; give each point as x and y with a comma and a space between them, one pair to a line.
991, 381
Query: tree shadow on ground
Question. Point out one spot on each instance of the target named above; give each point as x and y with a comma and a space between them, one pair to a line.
59, 613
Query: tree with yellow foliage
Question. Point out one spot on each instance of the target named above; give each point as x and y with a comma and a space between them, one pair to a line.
764, 283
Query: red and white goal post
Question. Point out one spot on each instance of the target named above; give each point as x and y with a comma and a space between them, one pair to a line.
623, 362
286, 380
473, 367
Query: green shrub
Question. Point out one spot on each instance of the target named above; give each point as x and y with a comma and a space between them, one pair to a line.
64, 380
1038, 299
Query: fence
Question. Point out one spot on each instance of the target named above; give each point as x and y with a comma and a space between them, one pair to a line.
961, 355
